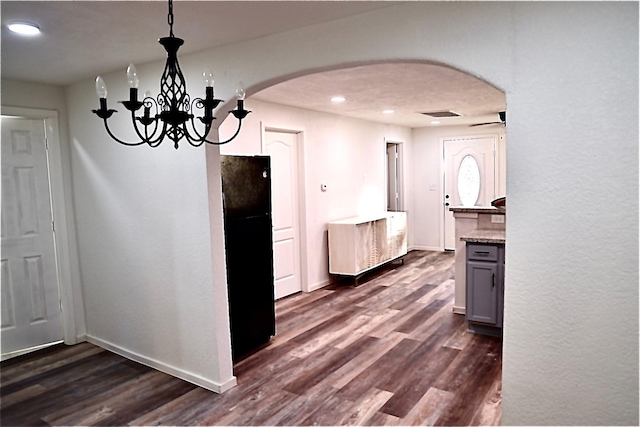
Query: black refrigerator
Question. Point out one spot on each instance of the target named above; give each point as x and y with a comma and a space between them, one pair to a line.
246, 190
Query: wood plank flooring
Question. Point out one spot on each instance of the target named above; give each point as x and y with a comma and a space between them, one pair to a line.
388, 352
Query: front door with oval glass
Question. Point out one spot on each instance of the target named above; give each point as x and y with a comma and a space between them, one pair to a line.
469, 178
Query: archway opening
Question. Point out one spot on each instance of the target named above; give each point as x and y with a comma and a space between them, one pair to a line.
345, 143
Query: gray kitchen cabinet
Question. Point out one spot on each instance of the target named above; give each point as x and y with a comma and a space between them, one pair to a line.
485, 287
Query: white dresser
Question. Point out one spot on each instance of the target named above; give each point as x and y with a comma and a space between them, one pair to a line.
362, 243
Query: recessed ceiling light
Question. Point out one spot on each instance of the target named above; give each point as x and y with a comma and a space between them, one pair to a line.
338, 99
388, 111
435, 122
24, 28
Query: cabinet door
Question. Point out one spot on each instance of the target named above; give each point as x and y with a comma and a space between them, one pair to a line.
482, 292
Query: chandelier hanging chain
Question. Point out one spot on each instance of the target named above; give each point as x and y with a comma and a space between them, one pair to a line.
173, 107
170, 18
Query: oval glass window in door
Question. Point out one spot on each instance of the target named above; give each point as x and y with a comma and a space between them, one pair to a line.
468, 181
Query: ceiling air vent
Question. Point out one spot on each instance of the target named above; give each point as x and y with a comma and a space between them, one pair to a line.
441, 114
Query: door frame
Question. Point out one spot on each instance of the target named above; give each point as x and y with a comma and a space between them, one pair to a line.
302, 216
399, 172
443, 168
67, 270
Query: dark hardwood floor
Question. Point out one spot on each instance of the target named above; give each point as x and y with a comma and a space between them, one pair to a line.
388, 352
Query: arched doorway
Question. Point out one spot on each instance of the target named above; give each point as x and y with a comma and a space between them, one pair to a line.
420, 103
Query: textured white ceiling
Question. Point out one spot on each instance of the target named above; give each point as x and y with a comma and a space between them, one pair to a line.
81, 39
407, 88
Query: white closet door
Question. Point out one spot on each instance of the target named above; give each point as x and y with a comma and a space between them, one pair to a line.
30, 298
282, 147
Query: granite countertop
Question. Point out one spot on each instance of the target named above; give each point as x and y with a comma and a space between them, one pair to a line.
479, 209
484, 236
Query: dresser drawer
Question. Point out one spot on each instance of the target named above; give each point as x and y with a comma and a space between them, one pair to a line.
480, 252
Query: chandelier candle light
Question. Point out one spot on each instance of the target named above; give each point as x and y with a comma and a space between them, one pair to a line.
173, 107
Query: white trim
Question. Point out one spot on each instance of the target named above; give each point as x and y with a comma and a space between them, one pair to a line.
72, 313
319, 285
63, 242
425, 248
163, 367
443, 191
459, 310
399, 173
302, 210
471, 215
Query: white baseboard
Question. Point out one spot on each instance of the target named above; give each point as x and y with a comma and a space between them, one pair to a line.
319, 285
76, 340
425, 248
163, 367
459, 310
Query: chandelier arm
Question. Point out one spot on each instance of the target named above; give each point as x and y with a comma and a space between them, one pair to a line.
130, 144
195, 142
198, 139
228, 140
150, 139
149, 101
207, 118
155, 142
144, 138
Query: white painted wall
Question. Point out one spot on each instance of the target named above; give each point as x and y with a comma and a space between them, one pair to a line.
348, 155
150, 271
428, 169
146, 244
571, 292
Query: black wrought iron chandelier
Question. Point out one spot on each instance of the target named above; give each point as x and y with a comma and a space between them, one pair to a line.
172, 109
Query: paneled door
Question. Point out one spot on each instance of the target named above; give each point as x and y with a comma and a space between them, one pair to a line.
282, 147
469, 178
31, 315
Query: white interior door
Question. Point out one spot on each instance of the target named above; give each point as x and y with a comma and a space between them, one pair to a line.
282, 147
469, 178
31, 315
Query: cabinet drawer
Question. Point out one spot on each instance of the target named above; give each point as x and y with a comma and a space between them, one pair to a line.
482, 252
